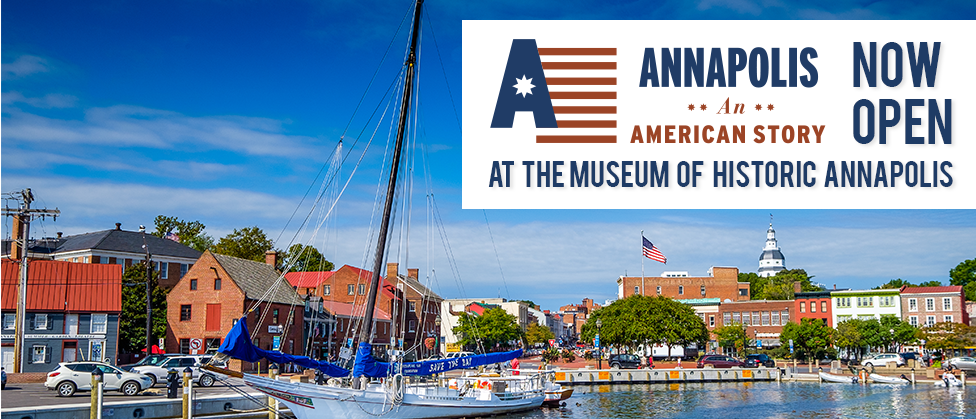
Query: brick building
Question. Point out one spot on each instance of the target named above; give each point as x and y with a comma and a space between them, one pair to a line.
925, 306
763, 319
220, 290
721, 282
72, 313
117, 247
813, 305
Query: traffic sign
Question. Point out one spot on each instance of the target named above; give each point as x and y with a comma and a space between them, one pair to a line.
196, 344
791, 345
596, 342
276, 343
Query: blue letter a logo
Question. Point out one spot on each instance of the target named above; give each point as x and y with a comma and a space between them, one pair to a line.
524, 88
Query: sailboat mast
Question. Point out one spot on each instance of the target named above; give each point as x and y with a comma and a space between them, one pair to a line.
366, 332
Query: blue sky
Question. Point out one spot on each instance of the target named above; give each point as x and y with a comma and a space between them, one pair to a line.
224, 112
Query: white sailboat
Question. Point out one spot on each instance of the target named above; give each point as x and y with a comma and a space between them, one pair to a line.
397, 389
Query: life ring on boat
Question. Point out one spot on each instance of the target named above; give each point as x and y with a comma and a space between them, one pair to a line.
453, 384
485, 384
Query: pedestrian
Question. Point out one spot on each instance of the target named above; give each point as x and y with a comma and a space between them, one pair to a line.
515, 366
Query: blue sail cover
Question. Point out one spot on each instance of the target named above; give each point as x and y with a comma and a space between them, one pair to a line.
366, 365
237, 344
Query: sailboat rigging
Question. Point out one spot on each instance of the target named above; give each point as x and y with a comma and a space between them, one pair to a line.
380, 388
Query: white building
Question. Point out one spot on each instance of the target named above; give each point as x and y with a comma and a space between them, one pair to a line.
864, 304
451, 310
771, 260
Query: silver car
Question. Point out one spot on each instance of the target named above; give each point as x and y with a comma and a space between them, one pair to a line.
881, 360
70, 377
963, 363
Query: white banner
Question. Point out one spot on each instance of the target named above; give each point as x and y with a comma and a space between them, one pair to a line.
727, 114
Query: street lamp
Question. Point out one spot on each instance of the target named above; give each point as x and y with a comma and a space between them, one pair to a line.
599, 350
892, 332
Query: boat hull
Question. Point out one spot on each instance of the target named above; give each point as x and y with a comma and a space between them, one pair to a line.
310, 401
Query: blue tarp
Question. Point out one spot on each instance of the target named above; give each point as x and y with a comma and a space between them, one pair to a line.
237, 344
368, 366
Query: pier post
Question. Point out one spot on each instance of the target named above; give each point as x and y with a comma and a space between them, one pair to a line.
96, 394
820, 377
913, 376
272, 402
187, 384
962, 375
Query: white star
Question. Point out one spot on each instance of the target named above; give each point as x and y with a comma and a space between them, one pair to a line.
524, 86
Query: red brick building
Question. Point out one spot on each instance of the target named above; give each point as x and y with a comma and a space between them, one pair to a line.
813, 305
924, 306
220, 290
763, 319
721, 282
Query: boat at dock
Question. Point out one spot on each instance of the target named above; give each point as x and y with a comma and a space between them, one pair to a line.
831, 378
883, 379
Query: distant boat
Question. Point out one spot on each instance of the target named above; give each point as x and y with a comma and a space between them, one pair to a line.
831, 378
883, 379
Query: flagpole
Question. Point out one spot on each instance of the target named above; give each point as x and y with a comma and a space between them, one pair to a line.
642, 263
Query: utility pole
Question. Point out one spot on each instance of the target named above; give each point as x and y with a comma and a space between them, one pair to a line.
149, 287
22, 219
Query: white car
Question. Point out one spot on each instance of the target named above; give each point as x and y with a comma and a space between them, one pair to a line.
881, 360
179, 363
70, 377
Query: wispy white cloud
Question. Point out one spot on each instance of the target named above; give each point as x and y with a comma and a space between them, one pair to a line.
18, 159
25, 65
51, 100
133, 126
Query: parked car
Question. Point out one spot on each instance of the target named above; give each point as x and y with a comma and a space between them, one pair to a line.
158, 372
719, 361
154, 359
757, 360
881, 360
70, 377
910, 355
963, 363
624, 361
3, 386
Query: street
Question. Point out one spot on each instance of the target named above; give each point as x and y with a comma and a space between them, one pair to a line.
35, 394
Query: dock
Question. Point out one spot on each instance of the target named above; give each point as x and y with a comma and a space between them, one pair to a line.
677, 375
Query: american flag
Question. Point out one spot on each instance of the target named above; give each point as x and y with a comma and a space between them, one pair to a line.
172, 236
651, 252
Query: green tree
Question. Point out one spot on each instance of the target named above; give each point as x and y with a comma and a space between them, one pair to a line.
640, 321
247, 243
494, 327
848, 335
779, 286
811, 337
932, 283
190, 232
535, 334
302, 258
894, 284
946, 335
733, 336
964, 274
897, 331
132, 320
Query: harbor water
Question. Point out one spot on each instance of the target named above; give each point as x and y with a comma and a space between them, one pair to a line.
763, 400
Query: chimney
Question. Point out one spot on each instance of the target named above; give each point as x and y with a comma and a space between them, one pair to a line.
59, 234
16, 233
835, 287
118, 226
271, 258
392, 270
413, 273
797, 287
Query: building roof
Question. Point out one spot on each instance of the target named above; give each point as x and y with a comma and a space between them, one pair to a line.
420, 288
256, 278
115, 240
701, 301
64, 286
774, 254
350, 310
308, 279
953, 289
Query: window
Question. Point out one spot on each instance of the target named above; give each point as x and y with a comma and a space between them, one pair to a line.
183, 268
350, 289
865, 301
193, 284
99, 323
726, 319
947, 319
274, 314
912, 304
775, 315
803, 307
888, 301
755, 319
38, 354
743, 292
844, 302
413, 306
703, 290
636, 290
929, 320
103, 260
711, 321
841, 319
184, 348
913, 320
362, 289
658, 290
746, 319
784, 317
413, 326
930, 304
823, 306
681, 290
9, 321
865, 317
947, 303
765, 318
211, 345
186, 312
326, 290
40, 321
217, 284
736, 318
